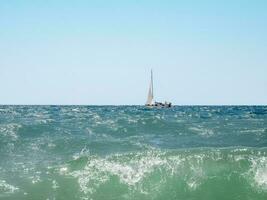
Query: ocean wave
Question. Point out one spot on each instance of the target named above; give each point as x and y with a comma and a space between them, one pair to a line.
98, 170
10, 130
258, 172
202, 131
6, 188
55, 185
108, 152
149, 172
257, 131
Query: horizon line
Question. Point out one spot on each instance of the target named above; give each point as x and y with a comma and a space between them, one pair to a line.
130, 105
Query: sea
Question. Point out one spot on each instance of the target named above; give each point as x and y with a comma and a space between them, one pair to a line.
133, 153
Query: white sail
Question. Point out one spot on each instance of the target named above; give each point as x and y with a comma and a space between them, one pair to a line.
150, 92
150, 98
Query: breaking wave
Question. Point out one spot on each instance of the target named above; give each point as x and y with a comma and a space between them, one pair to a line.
130, 153
180, 173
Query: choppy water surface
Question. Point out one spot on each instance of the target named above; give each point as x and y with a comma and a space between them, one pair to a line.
129, 152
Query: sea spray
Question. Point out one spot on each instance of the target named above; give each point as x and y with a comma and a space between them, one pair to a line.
131, 152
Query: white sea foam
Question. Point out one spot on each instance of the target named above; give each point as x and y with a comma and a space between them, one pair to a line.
10, 130
35, 179
51, 145
90, 131
35, 146
195, 178
202, 131
159, 117
83, 152
44, 121
132, 120
63, 170
261, 130
98, 171
55, 184
259, 172
75, 110
7, 188
132, 170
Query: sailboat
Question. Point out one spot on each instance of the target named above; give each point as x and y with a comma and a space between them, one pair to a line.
150, 97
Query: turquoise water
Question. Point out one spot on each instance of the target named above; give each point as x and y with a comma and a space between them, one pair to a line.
130, 152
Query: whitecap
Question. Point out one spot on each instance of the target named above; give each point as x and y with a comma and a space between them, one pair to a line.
259, 172
133, 169
10, 130
63, 170
202, 131
82, 153
75, 110
35, 179
55, 184
195, 178
7, 188
98, 170
51, 145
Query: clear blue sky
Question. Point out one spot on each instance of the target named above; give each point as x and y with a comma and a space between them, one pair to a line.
101, 52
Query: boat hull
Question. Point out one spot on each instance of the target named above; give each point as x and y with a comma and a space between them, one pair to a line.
159, 105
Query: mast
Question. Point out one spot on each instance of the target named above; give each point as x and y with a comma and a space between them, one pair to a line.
150, 91
152, 85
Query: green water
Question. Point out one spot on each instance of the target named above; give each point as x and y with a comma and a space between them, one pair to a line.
129, 152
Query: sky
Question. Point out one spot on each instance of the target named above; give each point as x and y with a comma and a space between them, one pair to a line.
100, 52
